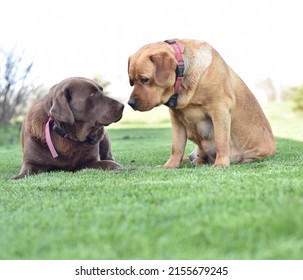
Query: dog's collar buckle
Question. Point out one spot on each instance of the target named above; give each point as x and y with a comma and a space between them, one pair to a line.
92, 138
180, 69
178, 49
172, 101
58, 129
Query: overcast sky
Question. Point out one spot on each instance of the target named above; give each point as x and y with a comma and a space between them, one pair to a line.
258, 38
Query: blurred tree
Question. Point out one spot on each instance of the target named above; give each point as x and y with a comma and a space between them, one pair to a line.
297, 98
104, 84
14, 86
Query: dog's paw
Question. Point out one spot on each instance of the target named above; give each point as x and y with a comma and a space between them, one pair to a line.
171, 166
185, 160
17, 177
224, 162
197, 161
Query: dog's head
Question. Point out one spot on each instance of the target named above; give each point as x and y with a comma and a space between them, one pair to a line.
151, 71
80, 104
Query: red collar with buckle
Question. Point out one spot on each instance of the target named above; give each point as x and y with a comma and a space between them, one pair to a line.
178, 49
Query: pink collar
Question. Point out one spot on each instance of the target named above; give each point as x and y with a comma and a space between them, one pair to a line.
178, 49
49, 139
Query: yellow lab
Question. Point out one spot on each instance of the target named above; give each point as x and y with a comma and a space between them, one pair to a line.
208, 103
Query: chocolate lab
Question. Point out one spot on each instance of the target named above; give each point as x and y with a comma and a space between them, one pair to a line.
208, 103
64, 130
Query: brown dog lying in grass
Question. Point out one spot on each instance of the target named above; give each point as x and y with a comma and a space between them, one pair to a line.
208, 103
64, 130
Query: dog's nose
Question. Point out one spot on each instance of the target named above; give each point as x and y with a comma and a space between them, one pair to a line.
120, 107
133, 103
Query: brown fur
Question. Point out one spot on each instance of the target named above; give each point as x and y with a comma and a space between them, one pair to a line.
215, 108
82, 109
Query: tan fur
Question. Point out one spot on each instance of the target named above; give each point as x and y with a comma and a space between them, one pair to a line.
215, 108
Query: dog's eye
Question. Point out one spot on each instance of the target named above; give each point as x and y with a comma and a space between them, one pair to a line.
144, 80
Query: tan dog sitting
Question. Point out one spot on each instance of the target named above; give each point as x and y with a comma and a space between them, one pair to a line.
208, 103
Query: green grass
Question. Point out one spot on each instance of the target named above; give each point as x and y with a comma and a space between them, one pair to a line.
249, 211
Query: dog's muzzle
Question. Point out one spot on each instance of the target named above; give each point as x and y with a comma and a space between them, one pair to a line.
133, 103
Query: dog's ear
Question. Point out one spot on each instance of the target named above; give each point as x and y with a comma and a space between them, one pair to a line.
60, 108
165, 64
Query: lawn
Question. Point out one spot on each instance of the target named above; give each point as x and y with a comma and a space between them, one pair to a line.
249, 211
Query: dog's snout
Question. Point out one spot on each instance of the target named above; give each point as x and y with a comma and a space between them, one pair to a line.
120, 107
133, 103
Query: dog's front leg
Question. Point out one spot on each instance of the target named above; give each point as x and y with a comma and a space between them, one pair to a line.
29, 169
105, 148
222, 120
102, 164
178, 142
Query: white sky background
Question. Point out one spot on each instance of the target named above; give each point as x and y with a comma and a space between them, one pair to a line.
257, 38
